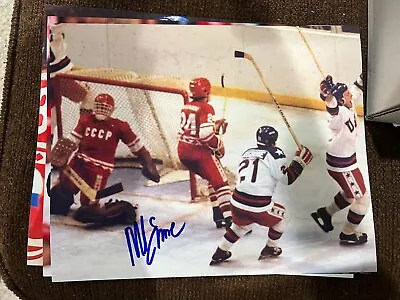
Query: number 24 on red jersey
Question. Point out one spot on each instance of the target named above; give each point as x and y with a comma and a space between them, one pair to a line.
195, 116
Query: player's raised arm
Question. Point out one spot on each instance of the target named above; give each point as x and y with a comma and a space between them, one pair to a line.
57, 32
325, 94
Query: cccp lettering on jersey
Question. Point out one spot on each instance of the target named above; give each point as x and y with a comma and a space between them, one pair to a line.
99, 133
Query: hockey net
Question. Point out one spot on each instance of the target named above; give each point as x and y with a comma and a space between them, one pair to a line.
150, 104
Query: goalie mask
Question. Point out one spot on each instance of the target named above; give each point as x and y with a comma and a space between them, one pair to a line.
199, 88
266, 136
103, 106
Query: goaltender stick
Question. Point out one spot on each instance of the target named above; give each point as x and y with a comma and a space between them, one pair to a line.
95, 138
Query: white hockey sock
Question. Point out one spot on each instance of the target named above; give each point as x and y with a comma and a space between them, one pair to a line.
232, 235
224, 199
332, 209
225, 245
212, 196
339, 202
271, 243
349, 228
356, 213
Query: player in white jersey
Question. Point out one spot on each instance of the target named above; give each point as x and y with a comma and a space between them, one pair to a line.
260, 171
341, 161
59, 62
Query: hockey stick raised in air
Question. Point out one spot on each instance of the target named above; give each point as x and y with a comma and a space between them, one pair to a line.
222, 128
225, 98
241, 54
311, 52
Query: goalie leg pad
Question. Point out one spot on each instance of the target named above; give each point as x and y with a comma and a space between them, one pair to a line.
61, 199
117, 212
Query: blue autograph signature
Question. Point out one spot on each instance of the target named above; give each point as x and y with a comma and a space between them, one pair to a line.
143, 246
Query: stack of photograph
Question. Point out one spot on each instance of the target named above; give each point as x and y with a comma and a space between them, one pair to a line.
183, 147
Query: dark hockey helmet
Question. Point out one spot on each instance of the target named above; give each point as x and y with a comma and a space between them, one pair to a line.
338, 90
266, 136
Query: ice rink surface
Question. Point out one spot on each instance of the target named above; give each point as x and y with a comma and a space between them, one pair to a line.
79, 254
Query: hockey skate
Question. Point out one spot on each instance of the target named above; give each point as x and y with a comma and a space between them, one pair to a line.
357, 238
270, 252
219, 256
323, 219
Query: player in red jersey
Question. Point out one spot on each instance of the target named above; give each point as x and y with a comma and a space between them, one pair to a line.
97, 136
200, 148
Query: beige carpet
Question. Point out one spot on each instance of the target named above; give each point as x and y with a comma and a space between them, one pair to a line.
5, 23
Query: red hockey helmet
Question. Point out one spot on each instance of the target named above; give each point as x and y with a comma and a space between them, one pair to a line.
200, 87
103, 106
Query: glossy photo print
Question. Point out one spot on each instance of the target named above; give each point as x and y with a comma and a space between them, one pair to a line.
188, 150
38, 244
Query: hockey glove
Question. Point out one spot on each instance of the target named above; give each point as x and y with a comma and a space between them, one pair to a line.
303, 156
325, 87
220, 125
220, 153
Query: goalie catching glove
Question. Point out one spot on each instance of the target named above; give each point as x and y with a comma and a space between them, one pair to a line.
118, 212
62, 151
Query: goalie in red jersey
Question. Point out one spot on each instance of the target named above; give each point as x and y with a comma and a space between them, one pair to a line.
200, 148
96, 137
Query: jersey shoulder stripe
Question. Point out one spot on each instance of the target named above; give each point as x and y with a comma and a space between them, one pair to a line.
276, 152
254, 153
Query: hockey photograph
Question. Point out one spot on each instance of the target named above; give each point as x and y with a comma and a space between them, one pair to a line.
182, 150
